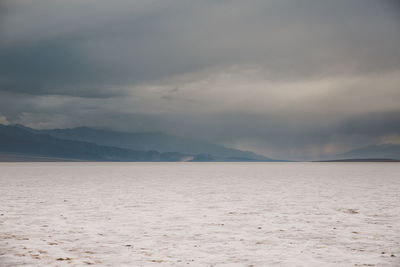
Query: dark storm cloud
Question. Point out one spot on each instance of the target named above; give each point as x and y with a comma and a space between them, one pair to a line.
287, 78
86, 53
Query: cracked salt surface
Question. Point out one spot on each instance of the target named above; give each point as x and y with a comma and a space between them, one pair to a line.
199, 214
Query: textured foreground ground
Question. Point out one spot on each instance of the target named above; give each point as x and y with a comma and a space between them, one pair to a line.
203, 214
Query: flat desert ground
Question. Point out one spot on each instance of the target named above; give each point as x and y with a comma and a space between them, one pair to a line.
199, 214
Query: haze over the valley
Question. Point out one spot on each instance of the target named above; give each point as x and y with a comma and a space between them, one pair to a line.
288, 80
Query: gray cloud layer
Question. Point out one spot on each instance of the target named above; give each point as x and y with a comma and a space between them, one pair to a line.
291, 79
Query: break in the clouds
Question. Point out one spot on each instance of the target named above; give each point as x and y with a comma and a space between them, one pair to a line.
289, 79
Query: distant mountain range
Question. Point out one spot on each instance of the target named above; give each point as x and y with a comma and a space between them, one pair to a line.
17, 142
83, 143
373, 153
20, 143
383, 151
152, 141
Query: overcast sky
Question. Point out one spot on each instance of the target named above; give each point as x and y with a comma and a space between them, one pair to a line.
287, 79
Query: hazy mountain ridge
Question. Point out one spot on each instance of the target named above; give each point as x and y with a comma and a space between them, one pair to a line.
382, 151
153, 141
91, 144
20, 142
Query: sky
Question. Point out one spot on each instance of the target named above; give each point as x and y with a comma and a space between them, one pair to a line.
286, 79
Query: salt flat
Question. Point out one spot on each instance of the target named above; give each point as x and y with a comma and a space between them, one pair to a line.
200, 214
